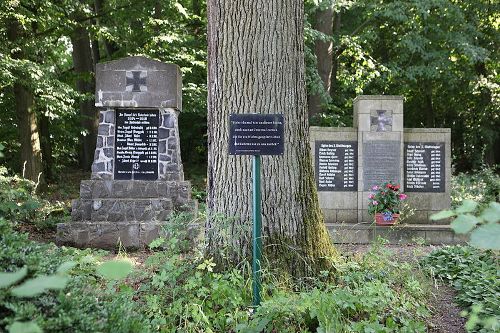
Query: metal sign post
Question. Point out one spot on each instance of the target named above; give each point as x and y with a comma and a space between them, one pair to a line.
256, 134
257, 232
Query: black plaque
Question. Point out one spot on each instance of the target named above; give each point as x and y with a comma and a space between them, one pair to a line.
424, 167
381, 162
336, 165
136, 144
256, 134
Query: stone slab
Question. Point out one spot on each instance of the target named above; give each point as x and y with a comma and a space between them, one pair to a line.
363, 233
138, 82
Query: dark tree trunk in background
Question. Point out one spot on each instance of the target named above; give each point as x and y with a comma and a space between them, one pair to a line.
31, 154
324, 51
84, 68
430, 118
256, 64
109, 46
46, 146
335, 57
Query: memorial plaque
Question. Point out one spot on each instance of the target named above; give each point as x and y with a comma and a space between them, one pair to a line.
381, 162
336, 165
256, 134
136, 145
424, 167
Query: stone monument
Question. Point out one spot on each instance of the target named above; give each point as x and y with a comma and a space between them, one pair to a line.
137, 177
349, 161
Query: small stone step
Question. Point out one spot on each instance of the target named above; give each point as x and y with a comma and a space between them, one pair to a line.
105, 235
179, 192
367, 232
121, 210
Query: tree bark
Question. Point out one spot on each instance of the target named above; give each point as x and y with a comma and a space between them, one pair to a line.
84, 68
256, 65
337, 23
31, 155
46, 147
324, 50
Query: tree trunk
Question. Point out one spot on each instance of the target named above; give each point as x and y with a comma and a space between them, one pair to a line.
31, 155
256, 65
323, 50
429, 108
46, 146
83, 65
335, 56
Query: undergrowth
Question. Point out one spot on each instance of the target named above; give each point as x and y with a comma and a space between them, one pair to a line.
475, 274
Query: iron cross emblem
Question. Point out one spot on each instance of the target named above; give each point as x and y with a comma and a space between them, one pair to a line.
381, 120
136, 81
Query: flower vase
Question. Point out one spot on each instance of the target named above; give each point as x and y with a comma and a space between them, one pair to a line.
386, 218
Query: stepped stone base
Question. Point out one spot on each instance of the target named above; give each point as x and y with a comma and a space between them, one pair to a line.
364, 233
128, 213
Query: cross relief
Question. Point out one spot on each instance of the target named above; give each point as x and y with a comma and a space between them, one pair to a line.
136, 81
381, 120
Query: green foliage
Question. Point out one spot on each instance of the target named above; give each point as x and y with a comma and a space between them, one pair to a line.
372, 294
475, 276
115, 269
20, 204
85, 304
482, 186
484, 226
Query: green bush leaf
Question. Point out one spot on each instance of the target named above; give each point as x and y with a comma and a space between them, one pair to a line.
115, 270
492, 213
464, 223
24, 327
486, 236
8, 279
444, 214
39, 285
467, 206
65, 267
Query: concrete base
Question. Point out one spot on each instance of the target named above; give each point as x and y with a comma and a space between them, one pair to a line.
364, 233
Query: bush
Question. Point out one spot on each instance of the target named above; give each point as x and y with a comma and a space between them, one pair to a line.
87, 304
476, 277
483, 186
20, 204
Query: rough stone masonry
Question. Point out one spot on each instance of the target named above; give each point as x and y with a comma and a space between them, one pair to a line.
137, 177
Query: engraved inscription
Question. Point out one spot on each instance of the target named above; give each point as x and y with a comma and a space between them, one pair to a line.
336, 165
136, 155
381, 163
424, 167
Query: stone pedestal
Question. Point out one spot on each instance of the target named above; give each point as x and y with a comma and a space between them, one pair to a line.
137, 180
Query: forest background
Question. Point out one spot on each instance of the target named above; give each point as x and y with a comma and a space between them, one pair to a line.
441, 55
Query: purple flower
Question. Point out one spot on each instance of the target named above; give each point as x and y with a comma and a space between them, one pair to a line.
374, 202
375, 188
371, 196
402, 196
388, 216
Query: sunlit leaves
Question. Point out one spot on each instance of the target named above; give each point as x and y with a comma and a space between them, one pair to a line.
8, 279
115, 269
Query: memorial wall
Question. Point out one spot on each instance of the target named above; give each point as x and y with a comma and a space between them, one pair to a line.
349, 161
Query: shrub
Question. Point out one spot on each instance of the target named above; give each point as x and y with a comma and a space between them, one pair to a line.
483, 186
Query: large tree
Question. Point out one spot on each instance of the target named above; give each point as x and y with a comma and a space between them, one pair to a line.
256, 65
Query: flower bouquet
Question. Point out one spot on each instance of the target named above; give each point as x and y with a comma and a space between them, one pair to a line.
385, 203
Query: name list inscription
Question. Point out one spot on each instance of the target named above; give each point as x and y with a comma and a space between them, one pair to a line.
336, 165
256, 134
424, 167
136, 144
381, 162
